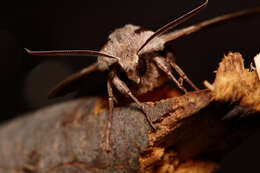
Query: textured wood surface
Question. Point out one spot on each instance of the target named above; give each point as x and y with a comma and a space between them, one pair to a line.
69, 137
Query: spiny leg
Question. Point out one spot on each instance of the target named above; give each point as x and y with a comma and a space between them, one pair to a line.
111, 107
184, 76
164, 66
180, 71
122, 88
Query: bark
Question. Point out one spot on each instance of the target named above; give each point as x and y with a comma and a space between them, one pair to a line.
69, 137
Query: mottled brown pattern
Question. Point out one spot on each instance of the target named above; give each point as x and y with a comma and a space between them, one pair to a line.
188, 128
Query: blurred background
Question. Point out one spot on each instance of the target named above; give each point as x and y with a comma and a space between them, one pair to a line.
45, 25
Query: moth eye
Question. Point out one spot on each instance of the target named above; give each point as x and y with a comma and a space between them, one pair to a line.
130, 71
121, 72
141, 67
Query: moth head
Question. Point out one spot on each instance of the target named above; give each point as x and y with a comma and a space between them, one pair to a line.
130, 67
105, 62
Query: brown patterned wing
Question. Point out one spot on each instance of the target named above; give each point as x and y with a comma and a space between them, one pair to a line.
70, 83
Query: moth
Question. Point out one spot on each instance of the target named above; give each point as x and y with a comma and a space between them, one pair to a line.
136, 60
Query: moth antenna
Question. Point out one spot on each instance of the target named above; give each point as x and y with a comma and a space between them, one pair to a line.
174, 23
191, 29
70, 53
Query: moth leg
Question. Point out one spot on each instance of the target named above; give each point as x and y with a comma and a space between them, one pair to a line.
180, 71
180, 80
111, 107
122, 88
166, 68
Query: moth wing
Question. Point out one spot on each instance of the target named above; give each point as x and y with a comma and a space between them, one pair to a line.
70, 83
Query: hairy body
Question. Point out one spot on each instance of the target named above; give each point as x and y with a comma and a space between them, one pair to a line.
142, 73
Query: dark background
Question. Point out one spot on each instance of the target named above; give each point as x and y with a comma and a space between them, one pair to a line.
45, 25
